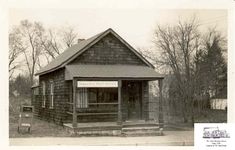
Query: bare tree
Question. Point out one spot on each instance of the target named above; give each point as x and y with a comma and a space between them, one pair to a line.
15, 50
155, 59
178, 45
38, 45
69, 36
31, 33
56, 41
50, 44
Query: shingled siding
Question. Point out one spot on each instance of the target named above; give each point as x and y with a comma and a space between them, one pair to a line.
109, 50
61, 97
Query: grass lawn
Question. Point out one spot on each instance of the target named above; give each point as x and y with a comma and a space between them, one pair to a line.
211, 116
40, 128
205, 116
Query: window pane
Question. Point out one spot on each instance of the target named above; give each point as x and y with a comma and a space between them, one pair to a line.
51, 94
44, 94
92, 96
82, 101
103, 95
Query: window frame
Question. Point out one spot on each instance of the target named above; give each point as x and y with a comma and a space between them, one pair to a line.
43, 94
52, 91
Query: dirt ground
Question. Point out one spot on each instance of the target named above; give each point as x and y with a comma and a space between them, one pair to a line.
170, 138
40, 128
48, 133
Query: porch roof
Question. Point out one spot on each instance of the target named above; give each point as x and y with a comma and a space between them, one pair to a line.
111, 71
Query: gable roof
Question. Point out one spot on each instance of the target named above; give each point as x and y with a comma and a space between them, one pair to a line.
73, 52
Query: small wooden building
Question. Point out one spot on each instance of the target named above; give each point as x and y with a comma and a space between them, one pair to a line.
101, 79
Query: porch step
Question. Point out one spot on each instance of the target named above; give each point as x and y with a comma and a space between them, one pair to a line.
139, 128
141, 131
95, 126
94, 129
112, 129
104, 132
140, 123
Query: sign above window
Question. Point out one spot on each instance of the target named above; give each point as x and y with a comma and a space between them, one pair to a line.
96, 84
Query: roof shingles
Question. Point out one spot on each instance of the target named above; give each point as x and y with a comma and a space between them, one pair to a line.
110, 71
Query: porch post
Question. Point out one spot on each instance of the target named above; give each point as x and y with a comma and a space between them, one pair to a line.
119, 102
160, 117
74, 103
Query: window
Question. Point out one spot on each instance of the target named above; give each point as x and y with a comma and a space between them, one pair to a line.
35, 91
43, 94
103, 95
82, 100
92, 95
99, 97
85, 96
51, 94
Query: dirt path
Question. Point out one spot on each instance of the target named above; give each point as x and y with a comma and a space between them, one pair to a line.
170, 138
48, 133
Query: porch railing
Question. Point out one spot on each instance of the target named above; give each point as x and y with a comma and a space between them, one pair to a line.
95, 109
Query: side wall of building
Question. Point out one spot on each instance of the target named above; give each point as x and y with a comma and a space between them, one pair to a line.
61, 97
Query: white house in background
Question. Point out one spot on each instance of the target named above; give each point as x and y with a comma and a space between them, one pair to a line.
218, 104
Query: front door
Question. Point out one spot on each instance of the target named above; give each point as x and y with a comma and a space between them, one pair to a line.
134, 100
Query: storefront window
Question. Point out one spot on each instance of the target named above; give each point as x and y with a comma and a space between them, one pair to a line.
103, 95
86, 96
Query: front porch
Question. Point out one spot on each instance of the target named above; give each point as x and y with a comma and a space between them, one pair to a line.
126, 100
112, 99
128, 128
117, 108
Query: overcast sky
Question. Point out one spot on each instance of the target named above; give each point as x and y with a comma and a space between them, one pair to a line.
135, 25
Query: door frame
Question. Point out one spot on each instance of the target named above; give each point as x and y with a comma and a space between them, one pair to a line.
139, 99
